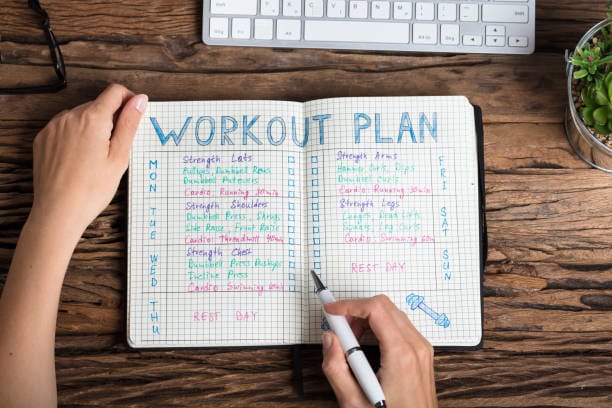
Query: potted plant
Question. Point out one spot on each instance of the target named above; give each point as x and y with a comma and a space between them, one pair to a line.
588, 121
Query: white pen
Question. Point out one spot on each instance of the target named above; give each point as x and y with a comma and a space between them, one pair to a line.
354, 355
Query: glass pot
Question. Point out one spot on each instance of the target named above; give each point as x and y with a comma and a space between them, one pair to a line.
585, 144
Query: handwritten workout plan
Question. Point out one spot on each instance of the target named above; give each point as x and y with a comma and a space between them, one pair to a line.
232, 203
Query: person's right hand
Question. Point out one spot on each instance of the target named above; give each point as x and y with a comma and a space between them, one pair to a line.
406, 358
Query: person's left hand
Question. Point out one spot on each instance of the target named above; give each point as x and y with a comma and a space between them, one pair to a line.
80, 156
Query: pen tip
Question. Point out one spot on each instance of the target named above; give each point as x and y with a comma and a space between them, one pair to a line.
318, 284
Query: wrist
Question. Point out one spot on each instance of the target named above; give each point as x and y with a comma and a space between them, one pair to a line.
49, 225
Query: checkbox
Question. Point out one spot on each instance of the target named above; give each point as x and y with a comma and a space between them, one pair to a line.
291, 171
314, 170
315, 230
316, 241
291, 265
314, 159
291, 229
292, 276
315, 182
317, 253
291, 241
317, 265
291, 217
291, 288
292, 206
291, 182
315, 218
291, 194
291, 159
315, 206
291, 253
315, 194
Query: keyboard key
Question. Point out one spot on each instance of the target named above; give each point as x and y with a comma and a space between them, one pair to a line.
504, 13
449, 34
336, 8
424, 33
241, 28
468, 12
288, 29
472, 40
424, 11
264, 29
356, 31
518, 42
269, 7
219, 27
313, 8
447, 12
495, 41
468, 26
380, 9
495, 30
402, 10
358, 9
247, 7
292, 8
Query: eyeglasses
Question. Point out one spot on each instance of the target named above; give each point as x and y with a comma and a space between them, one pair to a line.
56, 57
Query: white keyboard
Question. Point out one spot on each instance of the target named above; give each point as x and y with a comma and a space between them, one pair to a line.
452, 26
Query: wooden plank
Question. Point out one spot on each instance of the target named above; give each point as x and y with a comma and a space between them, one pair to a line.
560, 22
195, 377
549, 206
515, 146
530, 101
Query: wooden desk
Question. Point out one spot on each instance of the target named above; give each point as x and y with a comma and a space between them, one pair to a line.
548, 292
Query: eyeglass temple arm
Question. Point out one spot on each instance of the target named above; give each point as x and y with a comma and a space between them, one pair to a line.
35, 5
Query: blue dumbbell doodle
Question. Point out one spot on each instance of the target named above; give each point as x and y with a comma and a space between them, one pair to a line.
325, 325
416, 301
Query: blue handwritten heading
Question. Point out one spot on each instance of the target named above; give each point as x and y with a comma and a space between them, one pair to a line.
230, 130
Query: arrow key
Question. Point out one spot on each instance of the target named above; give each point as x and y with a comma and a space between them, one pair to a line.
517, 41
495, 41
495, 30
472, 40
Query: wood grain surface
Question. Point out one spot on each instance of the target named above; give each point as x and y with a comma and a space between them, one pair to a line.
548, 280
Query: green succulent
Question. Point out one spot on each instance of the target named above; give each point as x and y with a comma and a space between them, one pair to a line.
592, 63
593, 66
597, 98
603, 40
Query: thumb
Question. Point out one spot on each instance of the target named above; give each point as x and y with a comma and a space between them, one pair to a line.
125, 129
339, 375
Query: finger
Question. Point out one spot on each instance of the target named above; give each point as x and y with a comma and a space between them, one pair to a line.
125, 129
111, 99
339, 375
359, 326
411, 334
376, 311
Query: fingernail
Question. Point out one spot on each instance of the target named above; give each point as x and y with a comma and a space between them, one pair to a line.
327, 341
141, 103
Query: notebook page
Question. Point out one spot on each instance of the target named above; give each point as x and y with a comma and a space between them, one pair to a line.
393, 208
215, 232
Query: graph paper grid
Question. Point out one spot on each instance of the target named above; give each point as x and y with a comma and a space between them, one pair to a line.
228, 214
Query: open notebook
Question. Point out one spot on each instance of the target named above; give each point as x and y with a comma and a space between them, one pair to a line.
232, 203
